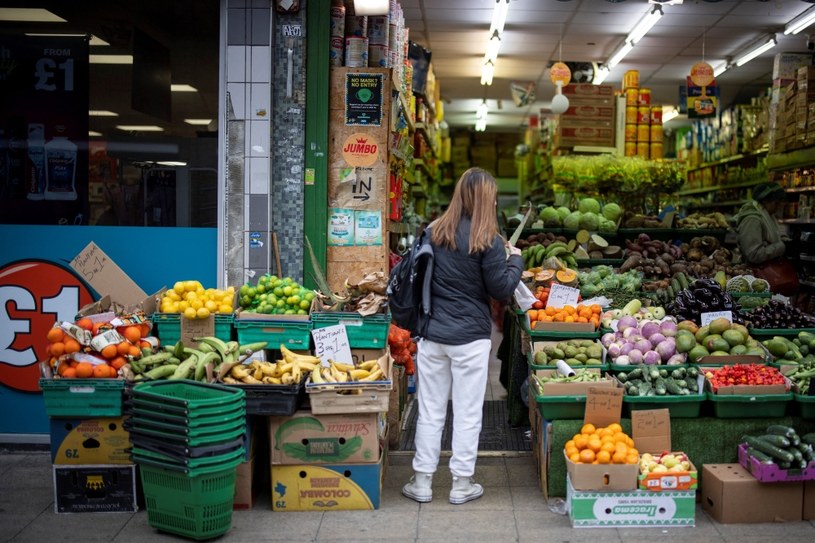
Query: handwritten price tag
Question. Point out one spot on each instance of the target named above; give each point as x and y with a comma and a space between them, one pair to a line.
707, 317
560, 296
603, 405
331, 343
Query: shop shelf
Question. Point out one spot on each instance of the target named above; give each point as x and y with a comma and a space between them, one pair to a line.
785, 332
84, 398
561, 407
739, 406
806, 406
369, 332
679, 406
293, 334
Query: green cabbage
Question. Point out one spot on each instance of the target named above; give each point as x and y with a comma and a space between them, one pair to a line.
588, 205
572, 221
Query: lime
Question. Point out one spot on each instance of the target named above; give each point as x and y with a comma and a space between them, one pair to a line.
244, 290
281, 304
287, 290
278, 291
309, 296
261, 288
302, 312
305, 304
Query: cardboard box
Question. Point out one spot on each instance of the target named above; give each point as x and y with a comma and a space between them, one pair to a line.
329, 487
771, 473
633, 509
786, 65
732, 496
355, 397
106, 277
321, 439
588, 134
748, 390
809, 501
244, 485
651, 431
95, 489
582, 91
89, 441
730, 360
589, 111
603, 407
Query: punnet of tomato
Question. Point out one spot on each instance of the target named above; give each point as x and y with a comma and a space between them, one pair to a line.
745, 374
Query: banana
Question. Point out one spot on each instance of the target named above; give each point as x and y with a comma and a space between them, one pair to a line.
178, 350
356, 375
316, 376
201, 366
326, 373
296, 372
283, 369
367, 365
556, 251
271, 380
239, 372
206, 347
287, 379
341, 366
268, 369
249, 348
216, 343
374, 376
258, 373
249, 380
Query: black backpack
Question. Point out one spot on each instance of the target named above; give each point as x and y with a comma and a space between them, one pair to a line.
409, 287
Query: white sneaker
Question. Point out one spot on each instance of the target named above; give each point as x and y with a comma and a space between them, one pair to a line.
464, 490
419, 488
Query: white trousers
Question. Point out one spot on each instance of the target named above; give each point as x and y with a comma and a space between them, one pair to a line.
441, 369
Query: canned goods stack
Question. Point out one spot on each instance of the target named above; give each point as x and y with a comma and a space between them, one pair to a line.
631, 84
643, 122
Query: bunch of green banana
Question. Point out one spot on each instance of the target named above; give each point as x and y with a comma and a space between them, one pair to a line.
535, 255
211, 358
289, 370
338, 372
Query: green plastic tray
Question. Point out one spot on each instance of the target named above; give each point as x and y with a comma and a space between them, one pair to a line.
784, 332
533, 366
370, 332
193, 506
293, 334
168, 327
806, 406
685, 407
188, 396
83, 398
191, 441
738, 406
548, 334
591, 262
561, 407
148, 425
198, 421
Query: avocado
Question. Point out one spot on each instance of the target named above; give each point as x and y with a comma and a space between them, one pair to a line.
702, 333
696, 353
540, 358
733, 337
778, 348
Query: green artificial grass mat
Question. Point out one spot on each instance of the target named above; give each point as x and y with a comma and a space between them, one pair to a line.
705, 440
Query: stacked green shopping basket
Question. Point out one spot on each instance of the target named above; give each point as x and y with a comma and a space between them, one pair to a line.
188, 438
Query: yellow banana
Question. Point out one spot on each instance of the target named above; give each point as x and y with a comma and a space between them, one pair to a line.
356, 375
375, 376
239, 372
369, 365
271, 380
287, 379
342, 366
258, 374
296, 373
316, 376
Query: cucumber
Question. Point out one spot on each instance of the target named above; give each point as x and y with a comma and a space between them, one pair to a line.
778, 441
809, 438
693, 372
760, 456
797, 455
637, 374
679, 373
673, 387
622, 376
781, 430
806, 451
769, 449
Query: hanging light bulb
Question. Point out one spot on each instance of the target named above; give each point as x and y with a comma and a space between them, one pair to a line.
559, 102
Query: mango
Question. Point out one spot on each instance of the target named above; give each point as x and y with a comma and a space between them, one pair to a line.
718, 326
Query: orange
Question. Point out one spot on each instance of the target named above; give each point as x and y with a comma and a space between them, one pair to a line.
134, 351
615, 427
533, 314
621, 447
581, 441
57, 349
575, 457
118, 362
84, 370
109, 352
587, 456
144, 328
123, 348
55, 334
569, 444
71, 345
620, 438
632, 458
595, 444
568, 318
570, 451
632, 450
101, 371
61, 369
608, 447
606, 432
85, 323
604, 457
69, 373
132, 334
588, 429
618, 458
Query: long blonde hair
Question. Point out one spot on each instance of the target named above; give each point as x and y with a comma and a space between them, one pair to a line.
474, 197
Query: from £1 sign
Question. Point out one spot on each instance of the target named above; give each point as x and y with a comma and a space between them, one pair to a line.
34, 295
561, 296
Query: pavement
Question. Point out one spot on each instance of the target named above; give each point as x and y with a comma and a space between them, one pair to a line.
512, 509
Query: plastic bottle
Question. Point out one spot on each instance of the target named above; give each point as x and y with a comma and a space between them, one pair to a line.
60, 169
35, 180
15, 160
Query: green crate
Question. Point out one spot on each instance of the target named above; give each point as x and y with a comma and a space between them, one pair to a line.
184, 464
190, 397
82, 398
168, 327
784, 332
806, 406
370, 332
155, 413
684, 407
188, 440
743, 406
533, 366
150, 425
550, 334
561, 407
292, 334
197, 507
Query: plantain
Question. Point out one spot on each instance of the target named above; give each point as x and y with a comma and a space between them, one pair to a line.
367, 365
316, 376
374, 376
358, 374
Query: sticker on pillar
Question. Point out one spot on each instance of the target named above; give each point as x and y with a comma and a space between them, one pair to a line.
254, 240
363, 99
340, 227
360, 149
368, 228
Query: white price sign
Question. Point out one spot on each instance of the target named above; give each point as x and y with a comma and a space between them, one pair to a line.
560, 296
707, 317
331, 343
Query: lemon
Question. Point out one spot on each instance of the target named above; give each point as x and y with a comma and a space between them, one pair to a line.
183, 305
190, 286
179, 287
203, 313
190, 313
196, 304
225, 309
173, 295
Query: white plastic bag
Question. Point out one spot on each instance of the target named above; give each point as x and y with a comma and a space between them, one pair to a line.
524, 297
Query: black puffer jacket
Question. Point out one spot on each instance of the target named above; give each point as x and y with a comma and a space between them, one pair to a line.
463, 284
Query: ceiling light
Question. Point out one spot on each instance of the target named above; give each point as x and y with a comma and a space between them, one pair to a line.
499, 16
482, 111
492, 47
202, 122
753, 53
800, 22
94, 39
481, 125
645, 24
110, 59
102, 113
170, 163
669, 113
720, 69
487, 72
139, 128
30, 15
183, 88
371, 7
94, 134
600, 75
620, 54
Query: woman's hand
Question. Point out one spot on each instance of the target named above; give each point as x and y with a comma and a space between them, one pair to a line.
512, 250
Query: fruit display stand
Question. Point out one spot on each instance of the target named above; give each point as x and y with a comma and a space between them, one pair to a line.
168, 326
294, 331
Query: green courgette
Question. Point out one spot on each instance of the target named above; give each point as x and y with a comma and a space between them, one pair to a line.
781, 430
673, 387
760, 456
809, 438
778, 441
769, 449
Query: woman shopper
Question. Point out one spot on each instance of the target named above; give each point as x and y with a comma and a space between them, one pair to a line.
471, 266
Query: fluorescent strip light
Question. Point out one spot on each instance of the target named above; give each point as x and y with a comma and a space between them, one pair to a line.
102, 113
94, 133
94, 39
30, 15
600, 75
183, 88
669, 113
800, 22
370, 7
482, 111
139, 128
750, 55
499, 16
645, 24
719, 70
493, 46
110, 59
171, 163
481, 125
202, 122
620, 54
487, 73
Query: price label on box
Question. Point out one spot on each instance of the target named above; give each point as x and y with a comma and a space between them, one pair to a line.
706, 318
560, 296
331, 343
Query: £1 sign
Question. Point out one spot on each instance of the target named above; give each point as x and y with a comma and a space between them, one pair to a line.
34, 294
